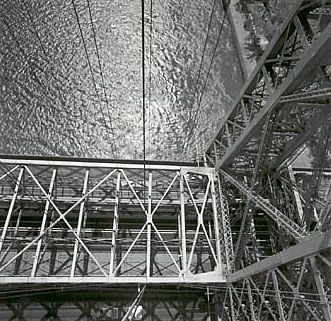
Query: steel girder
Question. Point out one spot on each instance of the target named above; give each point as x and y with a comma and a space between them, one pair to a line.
75, 221
311, 246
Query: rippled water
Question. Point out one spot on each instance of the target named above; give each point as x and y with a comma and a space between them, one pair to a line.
48, 103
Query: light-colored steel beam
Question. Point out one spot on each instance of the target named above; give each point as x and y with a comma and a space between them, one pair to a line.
149, 262
310, 96
309, 246
79, 225
296, 194
8, 173
203, 278
82, 163
212, 179
61, 215
182, 224
63, 218
115, 225
11, 208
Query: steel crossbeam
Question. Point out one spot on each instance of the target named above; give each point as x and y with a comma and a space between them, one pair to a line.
310, 246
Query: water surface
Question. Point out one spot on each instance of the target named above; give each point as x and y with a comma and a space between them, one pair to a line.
49, 104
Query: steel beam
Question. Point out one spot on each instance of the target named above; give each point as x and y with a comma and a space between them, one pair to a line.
11, 208
309, 246
182, 229
149, 258
204, 278
115, 225
216, 220
79, 225
96, 163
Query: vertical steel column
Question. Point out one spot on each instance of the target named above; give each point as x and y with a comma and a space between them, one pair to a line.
250, 300
11, 208
179, 231
296, 194
278, 297
215, 152
320, 289
226, 227
212, 178
115, 225
182, 222
79, 225
325, 215
232, 311
43, 224
149, 227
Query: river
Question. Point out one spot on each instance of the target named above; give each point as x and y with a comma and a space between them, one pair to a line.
52, 102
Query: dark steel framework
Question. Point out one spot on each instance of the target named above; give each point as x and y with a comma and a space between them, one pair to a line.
279, 211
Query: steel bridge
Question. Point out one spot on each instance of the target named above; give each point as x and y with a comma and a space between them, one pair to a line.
252, 226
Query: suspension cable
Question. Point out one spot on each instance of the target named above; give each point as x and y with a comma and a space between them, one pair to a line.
143, 87
92, 73
150, 71
196, 113
204, 49
102, 77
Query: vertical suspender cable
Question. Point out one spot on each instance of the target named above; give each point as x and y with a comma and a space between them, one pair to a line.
102, 78
193, 119
143, 87
111, 139
150, 71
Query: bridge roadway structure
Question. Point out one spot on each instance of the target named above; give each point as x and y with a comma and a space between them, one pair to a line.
250, 228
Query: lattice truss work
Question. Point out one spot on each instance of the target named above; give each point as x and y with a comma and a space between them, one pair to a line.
80, 222
272, 152
156, 304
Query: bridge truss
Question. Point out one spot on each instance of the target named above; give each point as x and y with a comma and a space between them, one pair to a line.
81, 221
105, 229
253, 227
